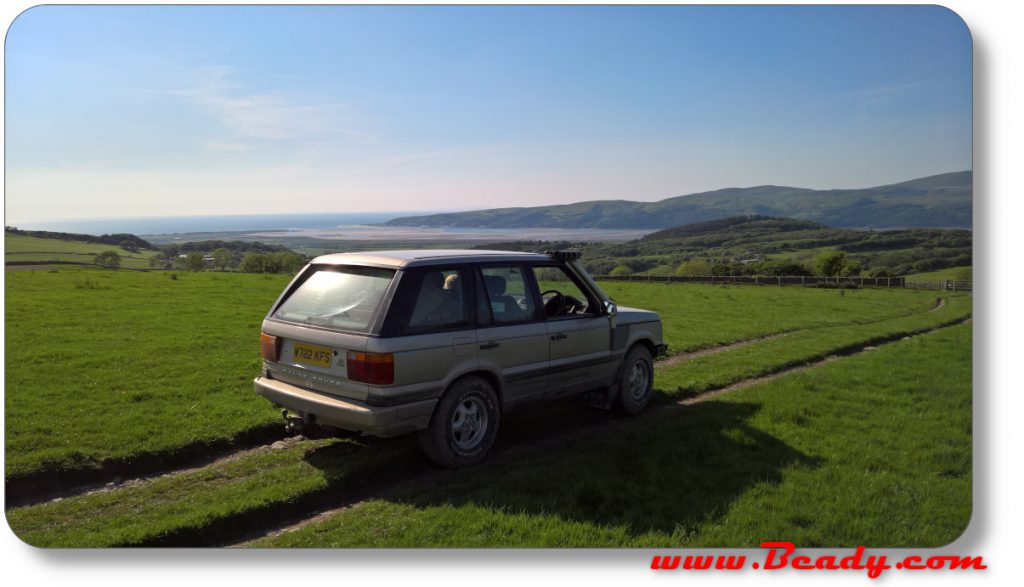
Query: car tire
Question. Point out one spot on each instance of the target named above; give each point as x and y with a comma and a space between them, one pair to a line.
636, 381
464, 424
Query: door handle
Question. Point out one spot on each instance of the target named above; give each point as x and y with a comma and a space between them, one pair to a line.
489, 345
559, 336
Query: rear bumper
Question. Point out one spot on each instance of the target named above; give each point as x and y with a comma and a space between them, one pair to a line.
348, 414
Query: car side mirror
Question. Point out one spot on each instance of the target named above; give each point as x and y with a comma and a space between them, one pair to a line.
610, 309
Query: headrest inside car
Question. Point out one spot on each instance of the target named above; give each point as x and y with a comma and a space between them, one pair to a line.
495, 285
433, 280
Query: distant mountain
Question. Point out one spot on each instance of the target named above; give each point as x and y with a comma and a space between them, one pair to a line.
939, 201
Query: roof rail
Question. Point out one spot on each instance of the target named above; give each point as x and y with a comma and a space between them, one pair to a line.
564, 255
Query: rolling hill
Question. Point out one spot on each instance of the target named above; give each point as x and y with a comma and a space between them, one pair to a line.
21, 248
938, 201
762, 245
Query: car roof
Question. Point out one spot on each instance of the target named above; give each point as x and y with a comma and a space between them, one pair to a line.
425, 257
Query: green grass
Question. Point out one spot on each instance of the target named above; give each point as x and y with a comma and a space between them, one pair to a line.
872, 450
104, 364
696, 316
182, 504
29, 248
796, 348
139, 514
962, 273
100, 362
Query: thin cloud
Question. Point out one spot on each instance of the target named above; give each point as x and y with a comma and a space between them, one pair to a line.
270, 116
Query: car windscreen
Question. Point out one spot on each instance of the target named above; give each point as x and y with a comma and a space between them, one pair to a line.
342, 297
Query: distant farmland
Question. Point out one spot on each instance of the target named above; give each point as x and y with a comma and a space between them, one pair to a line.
19, 248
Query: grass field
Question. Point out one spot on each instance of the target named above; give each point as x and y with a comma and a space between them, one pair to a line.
872, 449
98, 362
29, 248
697, 316
964, 273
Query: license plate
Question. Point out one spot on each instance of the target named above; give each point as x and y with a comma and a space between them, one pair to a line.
312, 355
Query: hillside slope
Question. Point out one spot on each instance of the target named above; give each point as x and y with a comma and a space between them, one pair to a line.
939, 201
762, 245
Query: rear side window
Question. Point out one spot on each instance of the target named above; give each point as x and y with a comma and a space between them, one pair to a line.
345, 298
430, 300
508, 295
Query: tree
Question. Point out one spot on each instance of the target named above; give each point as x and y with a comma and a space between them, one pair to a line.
108, 259
694, 267
194, 262
724, 269
129, 246
850, 268
170, 251
157, 260
881, 272
272, 263
773, 268
253, 263
621, 270
221, 258
830, 263
288, 262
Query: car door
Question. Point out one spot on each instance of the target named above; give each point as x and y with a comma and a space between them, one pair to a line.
429, 331
511, 333
579, 337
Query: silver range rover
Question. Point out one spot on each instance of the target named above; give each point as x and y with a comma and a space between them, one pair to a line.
446, 342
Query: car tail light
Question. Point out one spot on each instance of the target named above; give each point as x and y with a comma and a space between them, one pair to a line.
373, 368
270, 346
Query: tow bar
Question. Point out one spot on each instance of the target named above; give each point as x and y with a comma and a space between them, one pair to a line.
297, 423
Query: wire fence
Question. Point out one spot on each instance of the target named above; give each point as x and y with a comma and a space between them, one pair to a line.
942, 284
945, 284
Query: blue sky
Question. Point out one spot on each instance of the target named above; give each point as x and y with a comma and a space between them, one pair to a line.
178, 110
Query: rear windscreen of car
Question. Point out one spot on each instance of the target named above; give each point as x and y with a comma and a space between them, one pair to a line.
345, 298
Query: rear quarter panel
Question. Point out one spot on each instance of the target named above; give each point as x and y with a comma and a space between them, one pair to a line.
424, 364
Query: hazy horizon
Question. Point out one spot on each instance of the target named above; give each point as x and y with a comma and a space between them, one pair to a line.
37, 224
172, 111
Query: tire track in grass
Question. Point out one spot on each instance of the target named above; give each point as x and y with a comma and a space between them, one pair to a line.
502, 456
714, 350
49, 484
221, 461
722, 348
